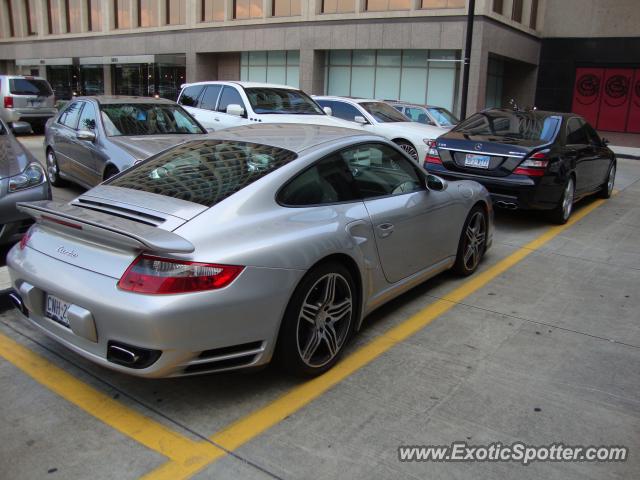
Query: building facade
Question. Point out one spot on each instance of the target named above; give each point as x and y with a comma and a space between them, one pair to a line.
390, 49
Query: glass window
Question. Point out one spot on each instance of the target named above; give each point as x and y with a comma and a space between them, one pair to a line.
91, 79
341, 110
56, 17
70, 114
243, 9
418, 114
443, 116
281, 100
29, 86
328, 181
32, 17
280, 67
189, 96
384, 5
498, 6
443, 3
533, 19
286, 8
576, 132
383, 112
529, 126
176, 11
210, 96
147, 119
74, 16
380, 170
212, 10
149, 11
205, 172
230, 96
338, 6
123, 16
517, 11
87, 118
441, 84
95, 16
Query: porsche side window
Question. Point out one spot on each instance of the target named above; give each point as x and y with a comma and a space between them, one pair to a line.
379, 171
328, 181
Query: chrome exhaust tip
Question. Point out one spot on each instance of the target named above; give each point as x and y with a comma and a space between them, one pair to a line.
17, 302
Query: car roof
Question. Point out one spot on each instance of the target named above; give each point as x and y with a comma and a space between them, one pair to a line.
539, 113
28, 77
290, 136
350, 99
241, 84
118, 99
410, 104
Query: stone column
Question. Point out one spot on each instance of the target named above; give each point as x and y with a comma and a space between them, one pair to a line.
312, 71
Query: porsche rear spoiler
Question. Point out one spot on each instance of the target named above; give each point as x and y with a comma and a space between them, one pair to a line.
104, 228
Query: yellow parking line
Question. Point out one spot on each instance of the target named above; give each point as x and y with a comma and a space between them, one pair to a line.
183, 452
252, 425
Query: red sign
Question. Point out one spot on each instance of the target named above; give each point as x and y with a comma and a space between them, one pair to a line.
633, 121
587, 92
616, 97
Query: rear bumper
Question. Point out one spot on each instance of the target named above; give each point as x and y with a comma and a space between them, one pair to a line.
513, 191
28, 115
189, 329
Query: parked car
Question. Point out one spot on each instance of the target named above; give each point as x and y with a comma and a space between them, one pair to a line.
382, 119
527, 159
426, 114
26, 99
22, 179
263, 240
219, 105
95, 138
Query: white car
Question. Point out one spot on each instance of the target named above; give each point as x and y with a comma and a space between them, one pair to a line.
219, 105
382, 119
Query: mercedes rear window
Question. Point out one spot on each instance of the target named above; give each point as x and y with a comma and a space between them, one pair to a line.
511, 125
29, 86
204, 172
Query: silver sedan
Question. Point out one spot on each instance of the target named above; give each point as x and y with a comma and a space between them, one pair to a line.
94, 138
264, 241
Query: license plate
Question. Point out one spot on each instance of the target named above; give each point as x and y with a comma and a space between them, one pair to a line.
477, 161
56, 310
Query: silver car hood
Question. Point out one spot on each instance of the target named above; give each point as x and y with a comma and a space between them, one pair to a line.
13, 157
144, 146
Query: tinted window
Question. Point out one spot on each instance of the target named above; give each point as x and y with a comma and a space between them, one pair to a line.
147, 119
70, 114
576, 132
341, 109
329, 181
204, 172
230, 96
380, 170
593, 135
511, 125
443, 116
383, 112
26, 86
210, 97
87, 118
189, 95
281, 100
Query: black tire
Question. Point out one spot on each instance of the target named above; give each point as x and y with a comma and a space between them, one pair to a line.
109, 172
408, 148
53, 169
473, 242
562, 212
302, 330
607, 187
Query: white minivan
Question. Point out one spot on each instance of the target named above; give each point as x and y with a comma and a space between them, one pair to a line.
218, 105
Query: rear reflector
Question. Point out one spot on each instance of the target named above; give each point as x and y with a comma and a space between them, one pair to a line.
531, 172
161, 276
8, 102
432, 154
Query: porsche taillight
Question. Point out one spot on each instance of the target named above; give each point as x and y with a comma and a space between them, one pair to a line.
162, 276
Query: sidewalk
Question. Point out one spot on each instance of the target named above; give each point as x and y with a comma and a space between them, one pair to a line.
626, 152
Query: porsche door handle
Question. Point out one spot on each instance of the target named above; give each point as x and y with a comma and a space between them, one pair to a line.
385, 229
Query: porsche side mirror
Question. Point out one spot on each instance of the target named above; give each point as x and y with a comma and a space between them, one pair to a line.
435, 183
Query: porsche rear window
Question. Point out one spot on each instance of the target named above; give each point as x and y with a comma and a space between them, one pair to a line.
205, 171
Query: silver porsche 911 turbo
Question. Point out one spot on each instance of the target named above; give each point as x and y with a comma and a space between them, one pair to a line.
264, 241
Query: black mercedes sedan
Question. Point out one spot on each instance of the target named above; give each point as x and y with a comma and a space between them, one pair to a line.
527, 159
